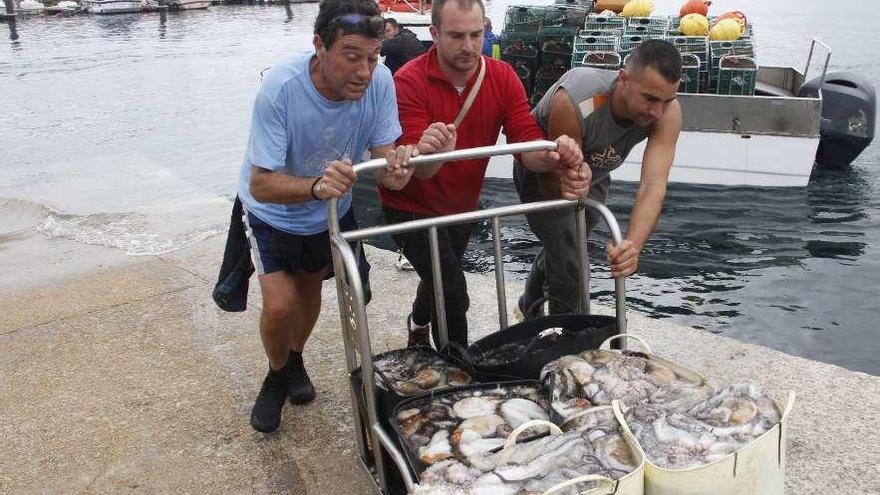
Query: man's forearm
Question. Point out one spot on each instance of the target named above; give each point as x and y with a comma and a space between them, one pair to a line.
427, 171
644, 216
274, 187
537, 161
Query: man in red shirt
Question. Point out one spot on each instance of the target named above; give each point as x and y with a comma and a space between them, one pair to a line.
431, 91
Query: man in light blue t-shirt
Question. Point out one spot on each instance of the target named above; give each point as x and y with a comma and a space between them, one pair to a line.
314, 115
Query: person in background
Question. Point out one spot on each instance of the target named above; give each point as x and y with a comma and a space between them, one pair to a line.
400, 45
431, 91
314, 113
609, 112
490, 39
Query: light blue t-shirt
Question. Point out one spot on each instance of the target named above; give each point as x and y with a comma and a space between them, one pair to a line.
296, 131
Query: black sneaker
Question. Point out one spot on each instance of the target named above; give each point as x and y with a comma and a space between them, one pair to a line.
266, 414
299, 386
417, 335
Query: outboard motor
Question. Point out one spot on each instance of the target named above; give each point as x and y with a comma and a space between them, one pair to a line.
848, 115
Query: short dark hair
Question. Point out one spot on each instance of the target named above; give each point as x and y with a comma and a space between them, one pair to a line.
659, 54
327, 24
437, 6
392, 22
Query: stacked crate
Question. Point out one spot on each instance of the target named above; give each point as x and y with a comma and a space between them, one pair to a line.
614, 26
519, 41
587, 4
596, 49
695, 61
640, 29
732, 67
655, 25
541, 43
555, 38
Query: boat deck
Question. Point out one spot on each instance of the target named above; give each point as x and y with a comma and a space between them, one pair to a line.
765, 89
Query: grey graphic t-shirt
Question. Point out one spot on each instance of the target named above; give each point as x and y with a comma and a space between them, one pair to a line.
605, 143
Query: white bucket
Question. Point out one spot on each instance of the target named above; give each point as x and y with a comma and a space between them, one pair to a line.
687, 374
758, 468
631, 484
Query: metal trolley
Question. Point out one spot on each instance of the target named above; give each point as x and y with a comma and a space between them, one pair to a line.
376, 442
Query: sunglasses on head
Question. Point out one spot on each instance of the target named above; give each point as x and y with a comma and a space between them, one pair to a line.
358, 24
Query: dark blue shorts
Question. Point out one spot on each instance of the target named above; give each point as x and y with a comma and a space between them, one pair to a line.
274, 250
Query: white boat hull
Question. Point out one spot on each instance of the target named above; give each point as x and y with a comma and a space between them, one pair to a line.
732, 160
717, 158
102, 7
768, 140
30, 8
189, 4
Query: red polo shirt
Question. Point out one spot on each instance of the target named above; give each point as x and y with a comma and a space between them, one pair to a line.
425, 96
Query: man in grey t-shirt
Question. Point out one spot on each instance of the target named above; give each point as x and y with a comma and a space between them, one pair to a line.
611, 111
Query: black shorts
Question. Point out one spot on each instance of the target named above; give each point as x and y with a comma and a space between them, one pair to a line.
274, 250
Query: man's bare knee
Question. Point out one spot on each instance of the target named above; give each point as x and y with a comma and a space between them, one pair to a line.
279, 291
277, 308
309, 285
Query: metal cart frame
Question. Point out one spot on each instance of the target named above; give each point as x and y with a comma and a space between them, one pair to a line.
373, 438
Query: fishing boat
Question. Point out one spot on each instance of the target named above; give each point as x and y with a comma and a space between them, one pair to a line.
769, 138
30, 7
102, 7
765, 126
64, 7
189, 4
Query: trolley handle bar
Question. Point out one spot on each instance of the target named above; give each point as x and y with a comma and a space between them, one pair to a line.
449, 156
474, 216
464, 154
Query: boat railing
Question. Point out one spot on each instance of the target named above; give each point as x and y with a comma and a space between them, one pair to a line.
827, 49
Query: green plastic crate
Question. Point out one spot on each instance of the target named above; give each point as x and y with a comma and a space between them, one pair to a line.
525, 73
536, 97
660, 22
520, 46
587, 4
674, 28
643, 26
694, 45
643, 31
549, 73
522, 52
596, 60
564, 16
741, 47
737, 75
599, 33
629, 43
721, 49
705, 82
556, 45
596, 43
523, 19
690, 74
595, 22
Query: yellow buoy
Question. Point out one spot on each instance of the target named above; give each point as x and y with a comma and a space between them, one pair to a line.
638, 8
694, 25
726, 30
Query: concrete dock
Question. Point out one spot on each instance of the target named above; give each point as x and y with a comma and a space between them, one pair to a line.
120, 375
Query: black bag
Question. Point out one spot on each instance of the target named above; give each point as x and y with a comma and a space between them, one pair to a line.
521, 350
